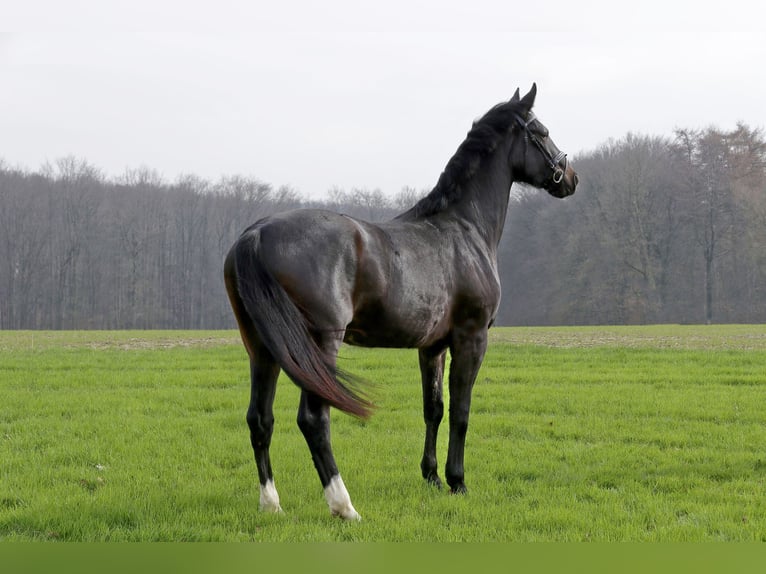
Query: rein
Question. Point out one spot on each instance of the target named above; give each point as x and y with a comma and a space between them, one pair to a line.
552, 161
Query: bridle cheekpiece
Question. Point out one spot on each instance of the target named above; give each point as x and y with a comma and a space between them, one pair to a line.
554, 162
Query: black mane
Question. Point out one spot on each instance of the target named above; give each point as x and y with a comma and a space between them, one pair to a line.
482, 140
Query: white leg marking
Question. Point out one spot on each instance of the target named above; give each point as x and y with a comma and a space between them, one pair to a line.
338, 499
269, 501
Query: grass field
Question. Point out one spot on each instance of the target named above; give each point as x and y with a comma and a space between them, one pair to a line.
603, 434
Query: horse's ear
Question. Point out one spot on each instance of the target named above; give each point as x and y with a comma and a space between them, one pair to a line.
529, 100
515, 98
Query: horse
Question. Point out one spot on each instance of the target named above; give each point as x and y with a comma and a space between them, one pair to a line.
303, 282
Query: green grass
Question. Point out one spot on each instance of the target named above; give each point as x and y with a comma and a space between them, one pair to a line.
622, 433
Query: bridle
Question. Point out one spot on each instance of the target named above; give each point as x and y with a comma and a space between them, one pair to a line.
553, 161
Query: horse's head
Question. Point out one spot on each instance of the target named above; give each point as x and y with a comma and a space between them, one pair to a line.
535, 159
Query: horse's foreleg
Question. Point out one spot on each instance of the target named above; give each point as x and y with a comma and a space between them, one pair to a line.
314, 422
432, 374
467, 352
260, 418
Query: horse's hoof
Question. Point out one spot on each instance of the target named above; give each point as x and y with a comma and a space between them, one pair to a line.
458, 489
272, 509
338, 500
435, 481
349, 515
269, 499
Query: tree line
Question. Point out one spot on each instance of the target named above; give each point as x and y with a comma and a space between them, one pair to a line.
660, 230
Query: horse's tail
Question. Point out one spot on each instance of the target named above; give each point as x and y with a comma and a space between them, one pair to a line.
286, 332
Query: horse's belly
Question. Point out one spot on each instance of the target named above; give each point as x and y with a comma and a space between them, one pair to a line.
381, 326
380, 338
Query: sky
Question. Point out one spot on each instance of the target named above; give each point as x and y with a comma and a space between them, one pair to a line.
342, 93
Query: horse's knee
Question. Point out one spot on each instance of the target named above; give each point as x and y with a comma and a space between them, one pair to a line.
313, 418
261, 429
307, 421
459, 427
433, 412
458, 422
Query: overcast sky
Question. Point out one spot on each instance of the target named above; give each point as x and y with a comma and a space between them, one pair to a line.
358, 94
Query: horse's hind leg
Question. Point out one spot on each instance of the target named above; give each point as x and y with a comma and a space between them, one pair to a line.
264, 372
314, 422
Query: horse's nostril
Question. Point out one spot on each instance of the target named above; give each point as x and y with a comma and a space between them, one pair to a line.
576, 180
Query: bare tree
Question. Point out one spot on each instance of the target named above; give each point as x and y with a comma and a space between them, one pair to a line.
713, 161
407, 197
73, 203
22, 242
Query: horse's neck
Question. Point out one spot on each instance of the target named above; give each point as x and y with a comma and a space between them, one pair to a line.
484, 203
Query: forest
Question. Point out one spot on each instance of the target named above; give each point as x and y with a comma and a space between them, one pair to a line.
661, 230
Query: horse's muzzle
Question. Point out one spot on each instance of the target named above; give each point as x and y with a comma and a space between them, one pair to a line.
566, 185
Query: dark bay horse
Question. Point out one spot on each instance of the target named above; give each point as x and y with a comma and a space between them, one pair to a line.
302, 282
